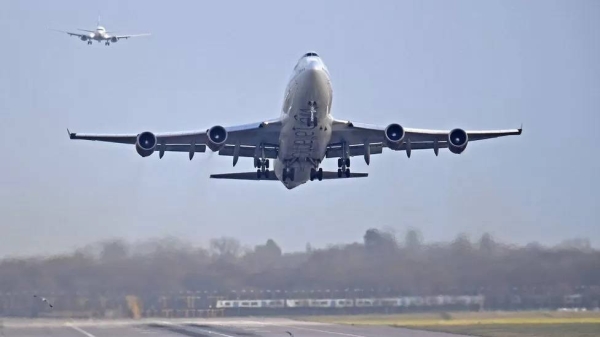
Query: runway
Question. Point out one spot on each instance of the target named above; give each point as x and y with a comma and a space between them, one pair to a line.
222, 327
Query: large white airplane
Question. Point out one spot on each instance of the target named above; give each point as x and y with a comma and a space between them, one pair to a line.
304, 135
99, 34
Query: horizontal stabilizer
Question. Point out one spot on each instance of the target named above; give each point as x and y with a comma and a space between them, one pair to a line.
254, 176
334, 175
244, 176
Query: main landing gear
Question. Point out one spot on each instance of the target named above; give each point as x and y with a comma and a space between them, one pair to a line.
316, 174
107, 43
262, 166
90, 42
343, 167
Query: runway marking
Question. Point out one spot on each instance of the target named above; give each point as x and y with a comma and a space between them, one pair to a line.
214, 333
329, 332
196, 328
316, 330
76, 328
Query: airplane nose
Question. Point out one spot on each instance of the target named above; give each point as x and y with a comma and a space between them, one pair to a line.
314, 65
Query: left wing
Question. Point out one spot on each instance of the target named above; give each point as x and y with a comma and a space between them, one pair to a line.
363, 139
70, 33
128, 36
247, 136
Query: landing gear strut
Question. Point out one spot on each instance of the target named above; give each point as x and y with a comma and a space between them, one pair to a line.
344, 163
107, 43
312, 121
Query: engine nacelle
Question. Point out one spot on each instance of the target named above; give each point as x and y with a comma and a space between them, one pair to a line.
394, 134
84, 38
145, 143
217, 135
457, 141
114, 39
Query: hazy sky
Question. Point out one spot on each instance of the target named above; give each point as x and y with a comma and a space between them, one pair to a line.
428, 64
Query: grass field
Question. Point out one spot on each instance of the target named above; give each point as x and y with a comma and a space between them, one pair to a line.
487, 324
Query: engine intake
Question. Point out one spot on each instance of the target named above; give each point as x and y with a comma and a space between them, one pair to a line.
84, 38
114, 39
217, 135
457, 141
394, 134
145, 143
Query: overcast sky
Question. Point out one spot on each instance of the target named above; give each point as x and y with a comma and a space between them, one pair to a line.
425, 64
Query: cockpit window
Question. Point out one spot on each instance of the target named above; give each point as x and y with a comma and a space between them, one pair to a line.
310, 54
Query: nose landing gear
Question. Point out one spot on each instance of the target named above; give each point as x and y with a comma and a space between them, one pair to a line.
312, 121
288, 173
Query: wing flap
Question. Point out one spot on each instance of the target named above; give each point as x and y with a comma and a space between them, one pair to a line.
248, 151
182, 148
355, 150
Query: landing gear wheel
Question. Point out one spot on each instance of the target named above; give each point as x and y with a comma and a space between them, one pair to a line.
284, 175
340, 162
267, 174
313, 174
347, 162
320, 174
258, 174
339, 173
347, 173
267, 163
256, 163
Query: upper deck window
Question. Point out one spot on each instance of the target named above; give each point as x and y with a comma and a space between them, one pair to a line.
310, 54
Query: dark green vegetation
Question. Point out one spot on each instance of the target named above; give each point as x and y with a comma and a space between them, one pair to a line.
510, 277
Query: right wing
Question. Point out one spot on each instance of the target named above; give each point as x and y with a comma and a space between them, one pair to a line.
128, 36
246, 137
366, 139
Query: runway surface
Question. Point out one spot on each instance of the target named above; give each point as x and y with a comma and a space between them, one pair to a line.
221, 327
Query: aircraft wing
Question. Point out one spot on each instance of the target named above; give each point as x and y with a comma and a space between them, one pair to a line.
357, 135
70, 33
246, 136
128, 36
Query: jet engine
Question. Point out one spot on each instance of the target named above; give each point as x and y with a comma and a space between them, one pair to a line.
394, 134
457, 141
114, 39
145, 143
217, 135
84, 38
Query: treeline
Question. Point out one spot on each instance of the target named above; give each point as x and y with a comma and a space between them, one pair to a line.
380, 262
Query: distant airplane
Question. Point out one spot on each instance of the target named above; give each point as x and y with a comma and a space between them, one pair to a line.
304, 135
99, 35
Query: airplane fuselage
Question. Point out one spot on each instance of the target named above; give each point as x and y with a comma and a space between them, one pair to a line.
306, 121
